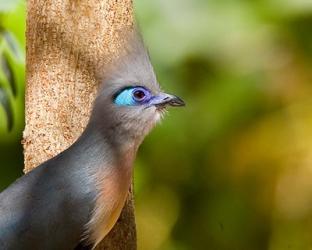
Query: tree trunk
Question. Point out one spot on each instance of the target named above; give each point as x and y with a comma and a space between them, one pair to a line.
69, 42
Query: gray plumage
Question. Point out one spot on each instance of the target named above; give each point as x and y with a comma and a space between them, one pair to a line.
78, 195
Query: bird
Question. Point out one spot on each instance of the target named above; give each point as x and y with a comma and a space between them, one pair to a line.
73, 200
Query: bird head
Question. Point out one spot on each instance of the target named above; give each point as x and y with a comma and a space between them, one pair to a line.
130, 101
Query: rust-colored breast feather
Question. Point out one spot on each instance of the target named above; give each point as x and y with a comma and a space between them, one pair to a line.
112, 193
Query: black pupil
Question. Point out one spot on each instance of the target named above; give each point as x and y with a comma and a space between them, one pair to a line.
139, 94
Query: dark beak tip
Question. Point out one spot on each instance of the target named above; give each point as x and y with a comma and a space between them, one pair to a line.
177, 102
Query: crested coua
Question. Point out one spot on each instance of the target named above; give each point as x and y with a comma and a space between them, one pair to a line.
76, 197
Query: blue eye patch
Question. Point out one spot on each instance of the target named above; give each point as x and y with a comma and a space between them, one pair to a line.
132, 96
124, 98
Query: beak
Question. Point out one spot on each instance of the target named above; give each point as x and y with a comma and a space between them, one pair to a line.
163, 99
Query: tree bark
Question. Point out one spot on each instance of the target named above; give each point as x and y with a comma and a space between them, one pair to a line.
69, 42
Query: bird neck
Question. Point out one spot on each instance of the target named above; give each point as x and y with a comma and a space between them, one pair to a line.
108, 164
107, 145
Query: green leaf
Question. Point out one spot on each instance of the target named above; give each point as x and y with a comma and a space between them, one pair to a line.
12, 77
7, 108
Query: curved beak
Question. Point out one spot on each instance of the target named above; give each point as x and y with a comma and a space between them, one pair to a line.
163, 99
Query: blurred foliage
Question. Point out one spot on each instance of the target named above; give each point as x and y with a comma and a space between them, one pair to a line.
12, 78
233, 169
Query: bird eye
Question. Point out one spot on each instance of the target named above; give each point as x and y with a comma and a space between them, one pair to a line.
132, 96
139, 95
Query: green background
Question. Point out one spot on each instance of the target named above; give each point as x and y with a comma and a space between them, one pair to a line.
232, 170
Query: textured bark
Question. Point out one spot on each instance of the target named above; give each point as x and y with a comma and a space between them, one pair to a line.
69, 42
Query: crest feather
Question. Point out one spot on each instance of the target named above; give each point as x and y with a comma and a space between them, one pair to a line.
133, 65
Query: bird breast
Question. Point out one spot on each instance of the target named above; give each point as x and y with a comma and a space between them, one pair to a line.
113, 185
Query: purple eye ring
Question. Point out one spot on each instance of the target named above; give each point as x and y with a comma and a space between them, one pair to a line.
140, 94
